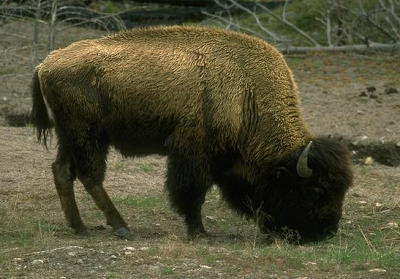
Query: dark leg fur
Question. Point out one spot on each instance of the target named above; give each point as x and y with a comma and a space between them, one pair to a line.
64, 177
187, 184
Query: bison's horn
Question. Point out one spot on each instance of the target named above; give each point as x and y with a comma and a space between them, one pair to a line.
302, 163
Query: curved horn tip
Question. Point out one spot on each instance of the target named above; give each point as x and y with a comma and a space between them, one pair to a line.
302, 163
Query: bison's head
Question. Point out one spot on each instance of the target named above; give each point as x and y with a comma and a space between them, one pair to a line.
305, 192
301, 194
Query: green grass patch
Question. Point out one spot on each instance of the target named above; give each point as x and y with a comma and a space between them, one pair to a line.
147, 168
167, 270
145, 202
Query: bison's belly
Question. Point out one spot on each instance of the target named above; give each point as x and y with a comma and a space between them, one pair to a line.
140, 139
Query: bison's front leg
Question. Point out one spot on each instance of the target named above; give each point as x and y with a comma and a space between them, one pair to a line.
187, 184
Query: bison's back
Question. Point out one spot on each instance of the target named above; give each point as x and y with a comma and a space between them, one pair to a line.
165, 83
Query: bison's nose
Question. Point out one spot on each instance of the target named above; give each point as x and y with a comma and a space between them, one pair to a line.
330, 231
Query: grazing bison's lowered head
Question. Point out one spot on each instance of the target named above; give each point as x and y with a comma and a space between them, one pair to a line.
302, 193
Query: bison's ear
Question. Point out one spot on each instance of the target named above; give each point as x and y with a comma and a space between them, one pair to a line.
302, 163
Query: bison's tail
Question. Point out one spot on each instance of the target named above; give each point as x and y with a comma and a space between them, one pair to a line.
40, 114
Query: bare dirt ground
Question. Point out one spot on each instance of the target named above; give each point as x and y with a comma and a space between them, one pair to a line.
35, 242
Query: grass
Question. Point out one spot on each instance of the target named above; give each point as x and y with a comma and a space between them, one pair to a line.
364, 247
147, 168
146, 202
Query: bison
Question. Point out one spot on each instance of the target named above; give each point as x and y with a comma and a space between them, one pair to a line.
224, 108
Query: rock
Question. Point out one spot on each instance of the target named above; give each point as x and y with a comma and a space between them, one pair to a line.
398, 144
362, 202
211, 218
377, 270
72, 254
378, 204
79, 261
35, 262
391, 90
129, 248
369, 161
393, 225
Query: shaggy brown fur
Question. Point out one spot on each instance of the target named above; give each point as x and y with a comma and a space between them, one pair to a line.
222, 105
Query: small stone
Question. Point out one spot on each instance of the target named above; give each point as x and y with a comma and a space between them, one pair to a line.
377, 270
79, 261
205, 266
212, 218
72, 254
17, 259
144, 248
368, 161
378, 204
37, 261
393, 225
360, 112
129, 248
391, 90
371, 89
5, 99
398, 144
364, 137
362, 202
113, 257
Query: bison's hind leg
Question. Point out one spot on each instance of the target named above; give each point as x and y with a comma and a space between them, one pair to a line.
91, 165
64, 176
187, 184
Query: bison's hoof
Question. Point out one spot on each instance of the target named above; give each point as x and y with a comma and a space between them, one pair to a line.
123, 233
